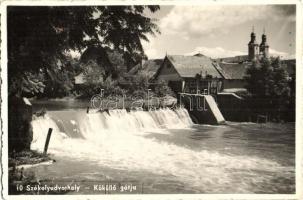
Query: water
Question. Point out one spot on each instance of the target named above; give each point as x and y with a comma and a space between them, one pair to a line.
164, 152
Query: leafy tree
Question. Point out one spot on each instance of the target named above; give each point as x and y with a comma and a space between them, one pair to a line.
93, 73
111, 61
59, 81
268, 83
139, 82
259, 78
124, 27
39, 36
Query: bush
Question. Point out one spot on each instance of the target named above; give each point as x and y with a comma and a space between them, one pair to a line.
162, 89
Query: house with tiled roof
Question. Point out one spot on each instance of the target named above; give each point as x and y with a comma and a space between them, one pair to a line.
147, 68
233, 75
190, 74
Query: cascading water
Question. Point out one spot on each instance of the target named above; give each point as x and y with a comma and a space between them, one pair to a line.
121, 140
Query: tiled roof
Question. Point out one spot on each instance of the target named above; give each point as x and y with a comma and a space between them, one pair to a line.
149, 68
189, 66
235, 59
232, 70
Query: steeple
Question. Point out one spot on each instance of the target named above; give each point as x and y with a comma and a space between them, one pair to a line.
252, 35
264, 46
252, 46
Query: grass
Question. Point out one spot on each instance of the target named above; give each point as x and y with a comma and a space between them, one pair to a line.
17, 177
26, 157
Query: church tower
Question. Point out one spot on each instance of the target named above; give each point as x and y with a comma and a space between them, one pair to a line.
264, 46
253, 47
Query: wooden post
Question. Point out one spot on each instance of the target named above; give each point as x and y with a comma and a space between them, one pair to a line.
47, 140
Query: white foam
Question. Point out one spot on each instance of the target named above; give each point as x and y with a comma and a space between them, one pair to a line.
117, 140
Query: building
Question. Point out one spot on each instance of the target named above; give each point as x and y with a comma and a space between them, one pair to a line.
190, 74
256, 51
233, 69
264, 48
147, 68
233, 75
253, 47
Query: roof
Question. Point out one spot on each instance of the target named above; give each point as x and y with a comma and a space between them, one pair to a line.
235, 59
149, 68
232, 70
190, 66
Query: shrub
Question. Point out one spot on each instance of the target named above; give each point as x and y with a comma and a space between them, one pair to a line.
162, 89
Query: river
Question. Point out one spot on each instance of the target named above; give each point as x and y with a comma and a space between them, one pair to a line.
164, 152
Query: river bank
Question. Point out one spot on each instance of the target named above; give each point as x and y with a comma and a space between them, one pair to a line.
18, 162
96, 102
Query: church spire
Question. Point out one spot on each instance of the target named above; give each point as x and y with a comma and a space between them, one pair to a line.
253, 47
252, 35
264, 46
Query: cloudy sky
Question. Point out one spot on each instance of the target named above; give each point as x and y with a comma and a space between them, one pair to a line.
221, 31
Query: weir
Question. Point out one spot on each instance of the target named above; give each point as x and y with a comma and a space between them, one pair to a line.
97, 125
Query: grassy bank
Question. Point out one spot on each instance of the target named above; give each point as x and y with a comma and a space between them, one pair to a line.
18, 163
26, 157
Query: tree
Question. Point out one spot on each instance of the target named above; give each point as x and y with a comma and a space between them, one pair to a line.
40, 36
162, 89
124, 27
59, 81
140, 82
93, 73
259, 78
268, 82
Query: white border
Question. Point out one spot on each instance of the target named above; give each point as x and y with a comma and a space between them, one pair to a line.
299, 108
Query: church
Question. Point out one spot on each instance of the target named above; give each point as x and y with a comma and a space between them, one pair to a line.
233, 69
217, 75
256, 51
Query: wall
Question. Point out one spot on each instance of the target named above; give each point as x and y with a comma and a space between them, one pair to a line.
176, 86
233, 108
168, 72
202, 110
233, 83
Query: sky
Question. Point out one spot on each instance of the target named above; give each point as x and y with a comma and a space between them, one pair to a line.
221, 31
